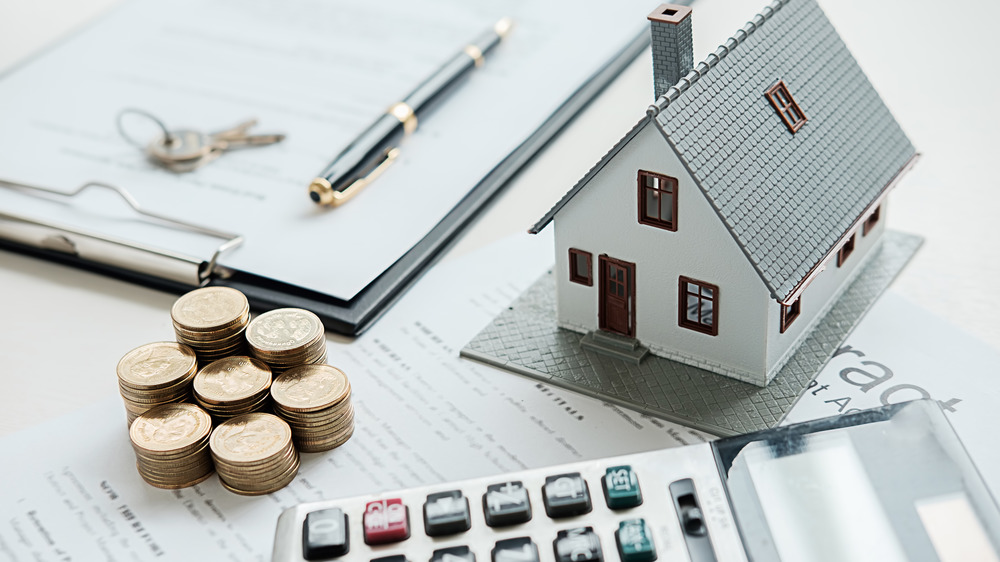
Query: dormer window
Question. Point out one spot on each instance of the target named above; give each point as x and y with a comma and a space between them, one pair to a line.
657, 200
786, 106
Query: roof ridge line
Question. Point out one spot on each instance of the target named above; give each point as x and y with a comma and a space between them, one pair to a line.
700, 69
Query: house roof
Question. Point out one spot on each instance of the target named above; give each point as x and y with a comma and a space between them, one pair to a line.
787, 199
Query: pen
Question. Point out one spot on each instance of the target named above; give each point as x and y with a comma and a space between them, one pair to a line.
368, 155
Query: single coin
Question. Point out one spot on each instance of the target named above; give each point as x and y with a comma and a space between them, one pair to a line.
198, 451
156, 364
250, 438
232, 409
209, 308
284, 329
270, 487
320, 418
172, 485
310, 387
231, 379
214, 333
170, 427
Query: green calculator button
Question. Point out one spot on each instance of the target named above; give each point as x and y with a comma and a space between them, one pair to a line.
621, 487
634, 541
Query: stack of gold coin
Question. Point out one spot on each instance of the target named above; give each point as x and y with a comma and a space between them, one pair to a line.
171, 445
211, 320
315, 400
286, 338
232, 386
154, 374
254, 454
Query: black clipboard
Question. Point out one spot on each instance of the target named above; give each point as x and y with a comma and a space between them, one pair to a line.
352, 317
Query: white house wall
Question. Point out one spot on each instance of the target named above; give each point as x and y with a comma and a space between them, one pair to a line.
603, 219
819, 296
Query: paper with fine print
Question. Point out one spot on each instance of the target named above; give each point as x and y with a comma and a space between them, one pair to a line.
422, 416
319, 72
900, 352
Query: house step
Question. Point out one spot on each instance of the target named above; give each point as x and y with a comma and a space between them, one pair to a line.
614, 345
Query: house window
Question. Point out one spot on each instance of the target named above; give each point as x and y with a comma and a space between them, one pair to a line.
580, 267
845, 250
871, 221
698, 306
789, 312
786, 106
657, 200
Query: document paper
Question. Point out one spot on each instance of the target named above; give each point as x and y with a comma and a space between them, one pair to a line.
319, 71
422, 416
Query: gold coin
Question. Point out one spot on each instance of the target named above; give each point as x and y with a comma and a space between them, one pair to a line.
174, 485
267, 469
213, 334
341, 415
156, 365
250, 438
232, 409
284, 330
183, 456
265, 488
170, 427
177, 471
209, 308
310, 387
318, 446
232, 379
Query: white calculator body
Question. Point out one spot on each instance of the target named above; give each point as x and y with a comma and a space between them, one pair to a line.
888, 484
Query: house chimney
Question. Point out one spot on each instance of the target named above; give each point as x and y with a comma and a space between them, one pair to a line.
673, 54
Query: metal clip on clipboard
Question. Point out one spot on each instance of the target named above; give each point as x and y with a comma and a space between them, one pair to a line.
113, 251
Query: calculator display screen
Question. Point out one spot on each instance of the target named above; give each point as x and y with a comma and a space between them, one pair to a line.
889, 485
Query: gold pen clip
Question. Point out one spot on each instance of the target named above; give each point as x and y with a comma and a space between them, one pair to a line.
323, 193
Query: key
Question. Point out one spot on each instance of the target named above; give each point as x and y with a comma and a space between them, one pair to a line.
187, 150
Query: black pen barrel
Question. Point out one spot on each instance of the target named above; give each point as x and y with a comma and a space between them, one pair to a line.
426, 96
364, 153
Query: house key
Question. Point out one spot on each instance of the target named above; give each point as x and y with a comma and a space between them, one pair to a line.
187, 150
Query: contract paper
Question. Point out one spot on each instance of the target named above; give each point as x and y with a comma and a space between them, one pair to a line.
900, 352
319, 71
422, 416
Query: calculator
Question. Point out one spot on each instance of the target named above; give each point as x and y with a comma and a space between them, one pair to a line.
887, 484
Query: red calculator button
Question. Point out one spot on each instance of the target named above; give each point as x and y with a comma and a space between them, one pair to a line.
386, 521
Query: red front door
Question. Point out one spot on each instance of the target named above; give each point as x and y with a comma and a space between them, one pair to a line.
616, 311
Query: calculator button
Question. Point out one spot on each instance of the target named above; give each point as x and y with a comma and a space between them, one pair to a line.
578, 545
324, 534
454, 554
506, 504
386, 521
621, 487
515, 550
635, 544
446, 513
566, 495
394, 558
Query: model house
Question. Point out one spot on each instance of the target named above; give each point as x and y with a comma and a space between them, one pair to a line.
728, 221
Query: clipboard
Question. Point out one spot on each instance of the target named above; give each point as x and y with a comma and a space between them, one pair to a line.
167, 270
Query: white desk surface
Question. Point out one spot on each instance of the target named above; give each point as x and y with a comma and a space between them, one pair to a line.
63, 329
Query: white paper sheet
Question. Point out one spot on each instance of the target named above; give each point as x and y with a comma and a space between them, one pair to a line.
902, 352
320, 71
423, 416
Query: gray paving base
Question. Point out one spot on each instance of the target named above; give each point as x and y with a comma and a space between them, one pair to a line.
525, 339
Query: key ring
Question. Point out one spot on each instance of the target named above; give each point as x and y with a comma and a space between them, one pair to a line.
168, 138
